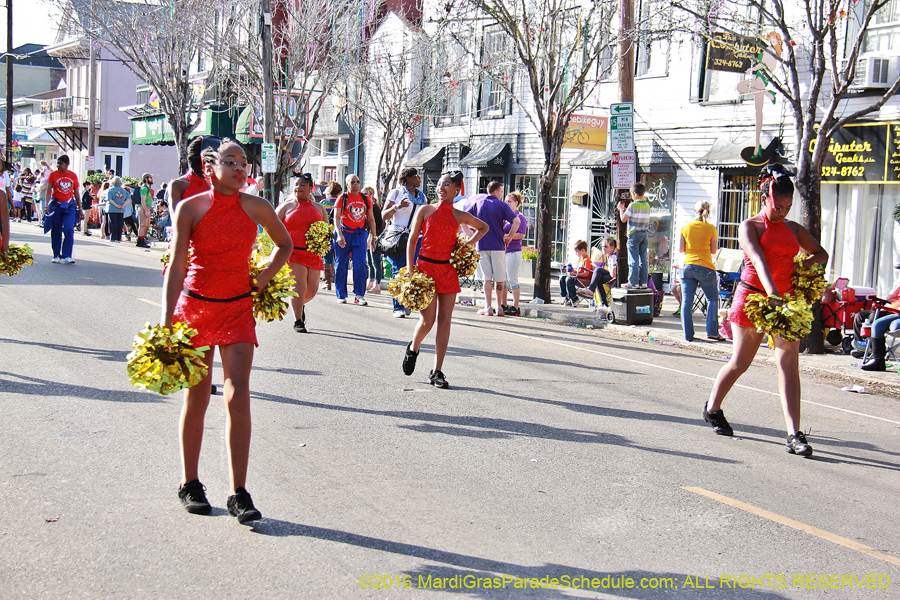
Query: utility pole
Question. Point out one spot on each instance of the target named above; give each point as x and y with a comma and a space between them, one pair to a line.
9, 80
269, 99
92, 98
626, 94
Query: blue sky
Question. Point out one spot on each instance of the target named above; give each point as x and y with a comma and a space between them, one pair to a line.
32, 22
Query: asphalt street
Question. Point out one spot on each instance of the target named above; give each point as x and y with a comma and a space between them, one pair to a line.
561, 463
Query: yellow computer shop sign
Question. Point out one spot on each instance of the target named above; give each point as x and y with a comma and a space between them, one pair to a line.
866, 153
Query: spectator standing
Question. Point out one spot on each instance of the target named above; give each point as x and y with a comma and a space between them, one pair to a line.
27, 183
332, 193
128, 217
637, 215
17, 203
161, 194
374, 256
492, 247
63, 210
577, 276
353, 220
104, 219
145, 206
513, 256
116, 201
698, 241
87, 202
399, 208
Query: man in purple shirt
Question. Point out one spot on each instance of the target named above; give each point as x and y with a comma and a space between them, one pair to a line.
492, 247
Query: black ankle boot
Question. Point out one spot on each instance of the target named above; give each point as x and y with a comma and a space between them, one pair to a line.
878, 352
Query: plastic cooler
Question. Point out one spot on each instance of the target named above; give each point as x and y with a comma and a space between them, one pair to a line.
633, 307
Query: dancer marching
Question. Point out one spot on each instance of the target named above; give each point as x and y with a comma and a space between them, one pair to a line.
298, 214
439, 225
770, 242
194, 181
213, 296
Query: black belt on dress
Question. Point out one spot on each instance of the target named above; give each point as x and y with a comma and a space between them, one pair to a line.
193, 294
299, 247
754, 289
434, 260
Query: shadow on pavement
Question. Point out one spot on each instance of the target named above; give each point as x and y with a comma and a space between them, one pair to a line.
107, 355
33, 386
492, 428
473, 567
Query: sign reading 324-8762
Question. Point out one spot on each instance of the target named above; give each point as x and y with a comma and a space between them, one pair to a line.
621, 127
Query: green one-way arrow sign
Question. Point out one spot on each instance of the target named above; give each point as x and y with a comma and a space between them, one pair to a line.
622, 108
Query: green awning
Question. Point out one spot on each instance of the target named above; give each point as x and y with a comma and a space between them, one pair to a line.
248, 129
155, 129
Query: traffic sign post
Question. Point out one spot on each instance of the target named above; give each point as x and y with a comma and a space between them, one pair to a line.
268, 158
621, 127
624, 170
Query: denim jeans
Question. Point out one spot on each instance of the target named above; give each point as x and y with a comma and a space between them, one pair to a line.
638, 258
397, 264
567, 288
708, 281
376, 271
355, 242
882, 325
62, 229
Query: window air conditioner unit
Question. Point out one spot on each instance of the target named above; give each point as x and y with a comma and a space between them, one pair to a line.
876, 71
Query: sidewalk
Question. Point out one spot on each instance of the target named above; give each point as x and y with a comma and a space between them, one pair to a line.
666, 330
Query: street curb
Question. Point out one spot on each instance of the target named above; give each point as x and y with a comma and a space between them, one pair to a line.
544, 311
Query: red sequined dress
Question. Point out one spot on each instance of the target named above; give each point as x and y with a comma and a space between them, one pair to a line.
780, 246
216, 297
196, 185
438, 240
297, 222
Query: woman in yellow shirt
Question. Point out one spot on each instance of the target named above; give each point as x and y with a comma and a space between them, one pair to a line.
698, 242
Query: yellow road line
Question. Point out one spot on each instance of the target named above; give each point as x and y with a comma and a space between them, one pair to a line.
820, 533
680, 372
150, 302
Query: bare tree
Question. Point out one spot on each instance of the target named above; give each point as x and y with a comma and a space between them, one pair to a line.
166, 45
822, 40
549, 62
314, 44
396, 90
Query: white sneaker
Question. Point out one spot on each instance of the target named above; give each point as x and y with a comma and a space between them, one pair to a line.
360, 301
55, 260
68, 261
342, 301
628, 286
487, 311
399, 314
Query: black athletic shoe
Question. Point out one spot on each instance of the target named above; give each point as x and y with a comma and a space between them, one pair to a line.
717, 420
796, 444
438, 380
409, 360
241, 506
299, 326
193, 497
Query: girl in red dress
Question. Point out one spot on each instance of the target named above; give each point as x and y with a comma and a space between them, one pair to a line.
439, 225
770, 242
212, 295
297, 215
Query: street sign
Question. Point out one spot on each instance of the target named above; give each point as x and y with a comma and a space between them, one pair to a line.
624, 170
268, 158
622, 108
20, 136
621, 133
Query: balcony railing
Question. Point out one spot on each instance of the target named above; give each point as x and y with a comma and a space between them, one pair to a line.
71, 109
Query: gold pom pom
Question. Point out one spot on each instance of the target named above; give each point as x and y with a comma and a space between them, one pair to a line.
263, 245
792, 320
464, 257
164, 360
318, 237
271, 302
415, 293
15, 259
809, 283
167, 256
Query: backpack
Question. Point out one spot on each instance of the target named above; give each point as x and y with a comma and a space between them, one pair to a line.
136, 196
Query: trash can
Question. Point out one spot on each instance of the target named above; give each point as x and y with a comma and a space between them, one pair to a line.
633, 306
